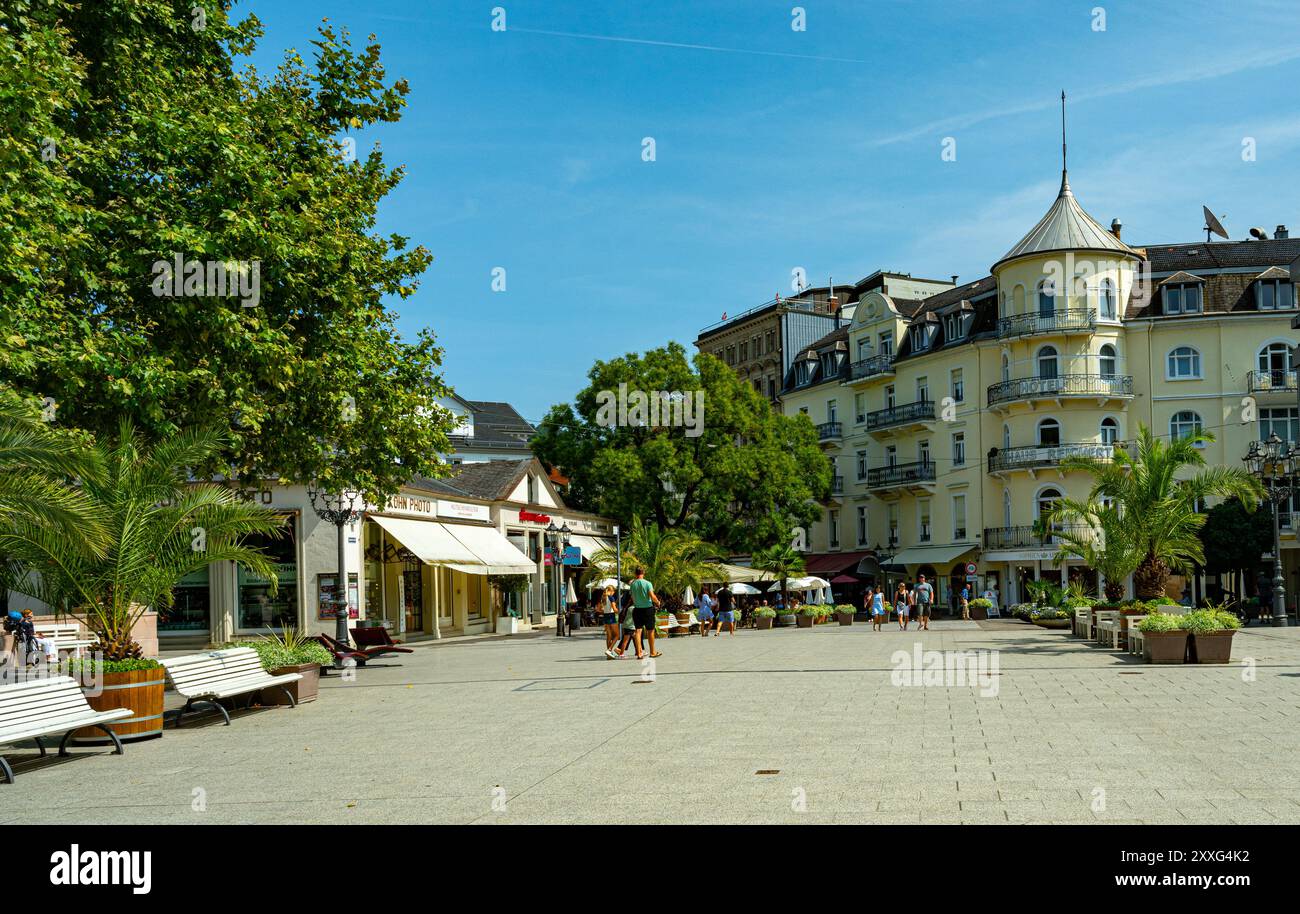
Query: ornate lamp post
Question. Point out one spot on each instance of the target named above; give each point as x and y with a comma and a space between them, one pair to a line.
1274, 463
340, 509
559, 537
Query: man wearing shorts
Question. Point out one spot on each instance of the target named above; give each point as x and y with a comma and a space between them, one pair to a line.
924, 597
726, 614
644, 601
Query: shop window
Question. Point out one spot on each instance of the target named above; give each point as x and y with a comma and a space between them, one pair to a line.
258, 608
191, 605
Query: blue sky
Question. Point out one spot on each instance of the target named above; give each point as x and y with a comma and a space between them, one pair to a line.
778, 149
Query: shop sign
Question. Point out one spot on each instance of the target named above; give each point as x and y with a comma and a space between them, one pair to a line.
463, 510
411, 503
532, 518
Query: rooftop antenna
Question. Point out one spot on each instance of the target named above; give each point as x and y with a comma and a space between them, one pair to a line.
1213, 226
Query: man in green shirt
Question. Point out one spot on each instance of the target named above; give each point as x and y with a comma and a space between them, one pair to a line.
644, 601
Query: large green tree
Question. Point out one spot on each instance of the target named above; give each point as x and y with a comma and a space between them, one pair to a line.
130, 134
743, 478
1235, 538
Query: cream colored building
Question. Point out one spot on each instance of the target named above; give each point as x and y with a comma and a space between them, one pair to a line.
955, 411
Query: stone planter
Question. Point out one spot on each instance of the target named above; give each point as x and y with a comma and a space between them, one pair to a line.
1052, 623
1164, 647
305, 689
845, 618
507, 625
804, 621
1212, 647
761, 622
785, 619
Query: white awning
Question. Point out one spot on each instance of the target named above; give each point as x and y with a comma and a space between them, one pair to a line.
931, 555
473, 550
496, 553
590, 545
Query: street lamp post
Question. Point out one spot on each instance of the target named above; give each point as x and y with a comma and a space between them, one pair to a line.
560, 541
1274, 462
340, 509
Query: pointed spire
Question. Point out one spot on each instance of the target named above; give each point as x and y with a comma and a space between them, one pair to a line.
1065, 180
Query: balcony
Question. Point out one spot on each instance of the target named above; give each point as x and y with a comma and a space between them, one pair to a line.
913, 475
898, 417
1027, 538
1275, 380
876, 366
1046, 456
1060, 321
830, 431
1058, 387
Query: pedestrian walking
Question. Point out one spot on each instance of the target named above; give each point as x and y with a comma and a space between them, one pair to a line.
705, 612
877, 609
605, 612
923, 597
726, 615
903, 605
644, 601
965, 602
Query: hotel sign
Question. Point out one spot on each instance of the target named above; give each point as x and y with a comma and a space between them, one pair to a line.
463, 511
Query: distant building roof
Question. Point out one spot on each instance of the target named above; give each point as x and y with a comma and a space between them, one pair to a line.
489, 480
497, 425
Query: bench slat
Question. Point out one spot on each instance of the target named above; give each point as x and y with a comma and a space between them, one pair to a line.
221, 674
47, 706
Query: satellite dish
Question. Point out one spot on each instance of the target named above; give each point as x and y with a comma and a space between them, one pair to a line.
1212, 225
1259, 234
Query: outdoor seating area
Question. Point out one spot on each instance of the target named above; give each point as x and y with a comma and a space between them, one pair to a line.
49, 706
1178, 626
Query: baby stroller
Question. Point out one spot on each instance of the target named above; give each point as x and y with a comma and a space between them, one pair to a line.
26, 647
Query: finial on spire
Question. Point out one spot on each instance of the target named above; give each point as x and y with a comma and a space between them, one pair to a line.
1065, 182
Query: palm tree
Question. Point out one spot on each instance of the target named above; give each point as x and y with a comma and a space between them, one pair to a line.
782, 562
1156, 511
673, 559
37, 465
160, 527
1101, 541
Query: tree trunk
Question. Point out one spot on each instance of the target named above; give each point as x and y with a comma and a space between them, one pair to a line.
1114, 591
1150, 578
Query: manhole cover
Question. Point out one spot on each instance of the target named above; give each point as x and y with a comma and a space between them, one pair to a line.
768, 771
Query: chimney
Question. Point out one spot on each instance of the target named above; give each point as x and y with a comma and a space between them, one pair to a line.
954, 279
1117, 229
1281, 232
833, 305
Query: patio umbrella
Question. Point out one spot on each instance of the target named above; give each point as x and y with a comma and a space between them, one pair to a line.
844, 579
606, 582
742, 588
827, 597
572, 597
689, 597
811, 582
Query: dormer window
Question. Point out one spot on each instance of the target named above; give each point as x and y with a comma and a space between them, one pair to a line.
801, 373
922, 336
828, 366
1274, 294
1183, 298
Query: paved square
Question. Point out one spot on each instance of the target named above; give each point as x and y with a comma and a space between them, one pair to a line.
541, 729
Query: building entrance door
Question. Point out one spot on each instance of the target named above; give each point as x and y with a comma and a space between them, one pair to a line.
413, 599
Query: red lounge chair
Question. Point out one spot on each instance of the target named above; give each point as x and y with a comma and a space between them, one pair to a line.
342, 651
375, 641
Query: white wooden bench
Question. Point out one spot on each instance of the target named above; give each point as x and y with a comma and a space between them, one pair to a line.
1099, 617
67, 636
47, 705
1109, 631
668, 623
205, 679
1080, 624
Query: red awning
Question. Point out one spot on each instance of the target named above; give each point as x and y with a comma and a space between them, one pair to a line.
844, 579
833, 562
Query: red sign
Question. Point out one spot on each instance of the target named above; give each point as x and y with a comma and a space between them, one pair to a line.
530, 517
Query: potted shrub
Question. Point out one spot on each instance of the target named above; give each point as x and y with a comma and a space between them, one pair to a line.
784, 616
764, 616
1212, 630
844, 612
1164, 639
979, 607
807, 615
1050, 617
291, 652
136, 683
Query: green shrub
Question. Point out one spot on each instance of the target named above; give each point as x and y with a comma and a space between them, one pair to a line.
73, 666
1205, 621
845, 608
981, 603
765, 612
1162, 622
290, 648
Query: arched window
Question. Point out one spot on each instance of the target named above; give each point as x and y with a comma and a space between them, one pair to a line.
1184, 362
1106, 361
1275, 357
1047, 362
1049, 433
1006, 367
1106, 306
1184, 424
1018, 300
1047, 500
1006, 508
1006, 437
1109, 430
1046, 298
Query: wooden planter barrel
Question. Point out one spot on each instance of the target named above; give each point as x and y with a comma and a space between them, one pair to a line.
139, 690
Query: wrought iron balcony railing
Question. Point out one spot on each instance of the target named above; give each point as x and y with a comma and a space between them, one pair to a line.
1061, 385
920, 411
1018, 458
828, 430
1028, 537
1272, 379
870, 367
1062, 320
901, 474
